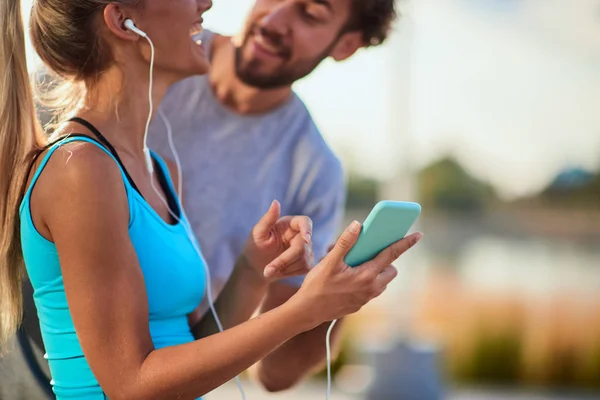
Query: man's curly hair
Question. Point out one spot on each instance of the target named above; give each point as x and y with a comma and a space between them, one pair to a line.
373, 18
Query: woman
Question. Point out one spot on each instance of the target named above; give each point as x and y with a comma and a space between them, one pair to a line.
115, 275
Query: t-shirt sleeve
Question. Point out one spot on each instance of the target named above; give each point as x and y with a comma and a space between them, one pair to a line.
322, 197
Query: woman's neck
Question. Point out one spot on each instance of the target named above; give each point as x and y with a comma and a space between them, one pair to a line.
119, 108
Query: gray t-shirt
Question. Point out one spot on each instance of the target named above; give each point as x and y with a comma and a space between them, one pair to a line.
234, 166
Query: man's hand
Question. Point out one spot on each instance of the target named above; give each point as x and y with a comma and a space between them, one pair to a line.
280, 247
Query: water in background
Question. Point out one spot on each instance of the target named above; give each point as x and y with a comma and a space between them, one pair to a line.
506, 298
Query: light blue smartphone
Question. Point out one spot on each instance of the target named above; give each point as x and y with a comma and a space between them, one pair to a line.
388, 222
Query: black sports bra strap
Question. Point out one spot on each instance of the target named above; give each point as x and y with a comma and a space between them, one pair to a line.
170, 195
37, 155
110, 147
161, 175
46, 147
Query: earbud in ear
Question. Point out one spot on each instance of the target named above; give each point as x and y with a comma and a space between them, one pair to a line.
131, 26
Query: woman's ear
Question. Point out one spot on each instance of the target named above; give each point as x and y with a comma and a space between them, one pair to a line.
114, 19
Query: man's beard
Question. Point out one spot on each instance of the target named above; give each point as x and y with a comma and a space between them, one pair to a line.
286, 75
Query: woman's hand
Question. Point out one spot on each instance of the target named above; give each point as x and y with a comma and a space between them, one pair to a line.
280, 247
333, 289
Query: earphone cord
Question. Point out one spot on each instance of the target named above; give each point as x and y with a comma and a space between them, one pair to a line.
328, 348
185, 222
149, 163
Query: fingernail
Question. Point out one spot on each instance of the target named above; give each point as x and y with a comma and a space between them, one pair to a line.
269, 272
354, 227
307, 238
417, 237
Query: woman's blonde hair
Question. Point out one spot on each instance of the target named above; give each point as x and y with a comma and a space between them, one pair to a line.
65, 35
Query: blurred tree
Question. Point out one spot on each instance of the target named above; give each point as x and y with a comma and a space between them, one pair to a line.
447, 186
362, 191
494, 359
573, 188
591, 368
562, 372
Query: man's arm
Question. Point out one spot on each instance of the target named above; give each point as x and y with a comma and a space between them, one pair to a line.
276, 247
241, 295
299, 356
322, 198
240, 298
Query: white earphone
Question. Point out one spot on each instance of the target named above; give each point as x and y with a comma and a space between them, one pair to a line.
131, 26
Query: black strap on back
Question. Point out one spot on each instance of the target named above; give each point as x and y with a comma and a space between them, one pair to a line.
109, 146
160, 173
46, 147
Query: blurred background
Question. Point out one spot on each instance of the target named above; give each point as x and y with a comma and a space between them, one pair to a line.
485, 112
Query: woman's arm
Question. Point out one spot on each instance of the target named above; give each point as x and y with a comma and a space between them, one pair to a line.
84, 207
299, 356
85, 210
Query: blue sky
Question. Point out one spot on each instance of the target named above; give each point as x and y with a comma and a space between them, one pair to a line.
510, 88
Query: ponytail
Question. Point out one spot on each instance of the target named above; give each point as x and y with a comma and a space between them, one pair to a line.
20, 134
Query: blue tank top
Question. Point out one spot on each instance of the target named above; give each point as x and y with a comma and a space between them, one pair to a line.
173, 272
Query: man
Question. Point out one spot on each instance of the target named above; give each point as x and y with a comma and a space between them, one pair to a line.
244, 139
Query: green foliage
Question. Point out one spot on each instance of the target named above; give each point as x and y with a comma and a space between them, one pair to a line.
362, 192
447, 186
585, 196
563, 369
591, 371
496, 359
